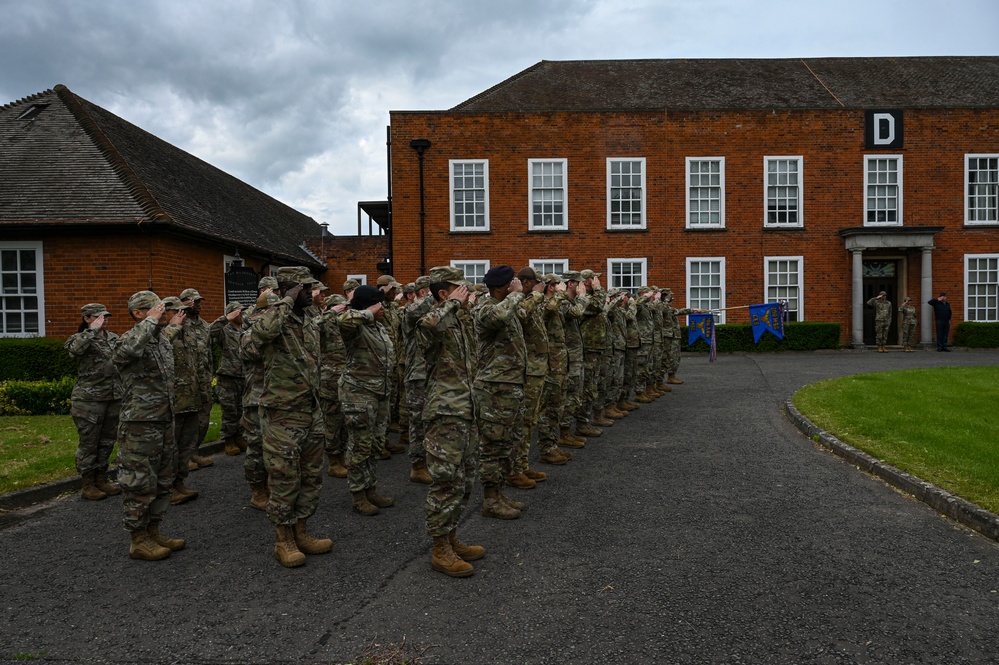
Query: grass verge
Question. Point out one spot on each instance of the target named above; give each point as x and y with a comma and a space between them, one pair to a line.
941, 424
39, 449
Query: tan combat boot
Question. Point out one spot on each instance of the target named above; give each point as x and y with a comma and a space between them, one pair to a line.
104, 485
512, 503
241, 442
285, 550
599, 419
145, 548
553, 457
396, 448
626, 406
587, 429
337, 468
578, 439
614, 413
404, 438
493, 505
90, 491
908, 349
308, 543
419, 473
673, 380
536, 476
172, 544
645, 397
202, 461
567, 440
520, 481
378, 499
259, 496
182, 494
466, 552
362, 505
231, 447
444, 560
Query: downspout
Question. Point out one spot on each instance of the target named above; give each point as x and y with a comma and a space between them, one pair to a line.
419, 145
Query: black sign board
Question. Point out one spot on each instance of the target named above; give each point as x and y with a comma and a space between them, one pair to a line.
883, 129
241, 285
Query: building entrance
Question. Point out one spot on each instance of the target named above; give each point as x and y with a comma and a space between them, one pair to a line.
880, 275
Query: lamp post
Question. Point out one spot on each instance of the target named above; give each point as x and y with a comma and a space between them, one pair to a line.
420, 145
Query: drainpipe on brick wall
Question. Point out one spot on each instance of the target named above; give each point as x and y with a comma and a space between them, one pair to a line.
419, 145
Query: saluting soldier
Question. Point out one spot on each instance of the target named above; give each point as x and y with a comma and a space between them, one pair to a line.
882, 319
226, 332
553, 392
575, 413
205, 364
187, 397
908, 313
418, 302
593, 328
334, 360
672, 327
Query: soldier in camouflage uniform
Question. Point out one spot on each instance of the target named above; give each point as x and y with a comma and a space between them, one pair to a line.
390, 288
553, 392
96, 400
882, 319
253, 378
226, 331
498, 389
617, 343
657, 360
291, 422
908, 313
365, 390
147, 450
575, 412
451, 442
205, 366
644, 320
593, 328
629, 308
334, 359
187, 397
671, 323
418, 302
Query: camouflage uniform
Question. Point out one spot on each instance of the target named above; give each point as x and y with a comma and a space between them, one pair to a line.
334, 359
671, 333
147, 451
593, 329
882, 318
96, 397
187, 390
253, 385
229, 383
416, 373
290, 421
532, 316
908, 313
633, 344
205, 362
572, 312
617, 336
365, 390
657, 364
553, 395
644, 322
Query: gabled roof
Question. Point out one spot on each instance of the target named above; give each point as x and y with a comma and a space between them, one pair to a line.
65, 160
746, 84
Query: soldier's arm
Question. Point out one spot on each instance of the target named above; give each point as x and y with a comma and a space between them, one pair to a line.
268, 327
495, 317
528, 304
132, 345
351, 320
418, 309
435, 321
682, 312
217, 328
78, 344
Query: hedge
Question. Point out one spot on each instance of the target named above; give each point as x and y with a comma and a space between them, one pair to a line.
804, 336
977, 335
36, 398
35, 359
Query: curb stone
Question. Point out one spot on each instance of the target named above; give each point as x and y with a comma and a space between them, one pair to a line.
960, 510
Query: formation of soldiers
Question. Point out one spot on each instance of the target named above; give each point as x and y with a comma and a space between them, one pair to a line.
470, 375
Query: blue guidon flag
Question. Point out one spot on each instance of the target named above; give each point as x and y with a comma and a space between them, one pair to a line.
702, 326
767, 317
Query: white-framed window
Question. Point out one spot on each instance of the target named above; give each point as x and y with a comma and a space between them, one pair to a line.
553, 266
706, 284
361, 279
22, 289
882, 190
705, 192
782, 193
469, 194
548, 194
626, 274
626, 193
981, 290
474, 270
783, 275
981, 186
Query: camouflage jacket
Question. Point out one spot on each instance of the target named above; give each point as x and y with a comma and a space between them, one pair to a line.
618, 326
471, 340
143, 357
97, 380
416, 366
333, 355
393, 326
227, 337
908, 314
204, 359
572, 313
502, 351
658, 322
447, 348
882, 309
631, 335
671, 319
593, 327
531, 312
290, 347
558, 352
187, 385
252, 357
370, 353
644, 321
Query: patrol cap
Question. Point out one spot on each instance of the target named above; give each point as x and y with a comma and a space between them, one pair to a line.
551, 278
479, 288
410, 287
94, 309
449, 274
527, 273
882, 293
267, 283
174, 303
143, 300
191, 294
233, 306
666, 291
573, 276
296, 274
321, 286
335, 299
498, 276
422, 282
644, 289
350, 285
385, 280
365, 296
907, 299
589, 274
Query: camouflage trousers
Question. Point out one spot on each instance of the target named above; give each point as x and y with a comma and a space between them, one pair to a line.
395, 385
652, 370
147, 462
630, 376
672, 356
365, 415
416, 397
293, 456
204, 415
881, 331
402, 409
642, 373
550, 415
185, 431
592, 380
500, 408
253, 466
230, 392
615, 378
908, 333
335, 434
533, 388
573, 395
452, 460
97, 424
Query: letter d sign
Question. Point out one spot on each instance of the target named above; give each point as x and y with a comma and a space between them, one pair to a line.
883, 129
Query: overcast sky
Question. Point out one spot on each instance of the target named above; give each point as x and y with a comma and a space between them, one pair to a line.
293, 96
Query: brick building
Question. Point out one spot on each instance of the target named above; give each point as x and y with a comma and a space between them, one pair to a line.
93, 208
731, 181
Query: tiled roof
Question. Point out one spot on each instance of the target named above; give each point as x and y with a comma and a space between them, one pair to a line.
74, 162
792, 83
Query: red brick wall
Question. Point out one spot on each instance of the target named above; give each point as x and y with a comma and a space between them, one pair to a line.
350, 255
830, 142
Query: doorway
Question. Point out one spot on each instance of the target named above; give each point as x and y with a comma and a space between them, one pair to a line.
880, 275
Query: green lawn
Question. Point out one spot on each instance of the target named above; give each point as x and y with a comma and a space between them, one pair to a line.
941, 425
39, 449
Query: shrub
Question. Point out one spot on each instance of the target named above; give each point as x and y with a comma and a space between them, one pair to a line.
35, 359
977, 335
804, 336
36, 398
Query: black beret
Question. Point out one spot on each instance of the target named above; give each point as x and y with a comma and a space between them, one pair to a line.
365, 296
498, 276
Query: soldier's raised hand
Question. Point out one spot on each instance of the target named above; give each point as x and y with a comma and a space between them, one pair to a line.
156, 312
516, 286
460, 294
97, 323
179, 317
294, 291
